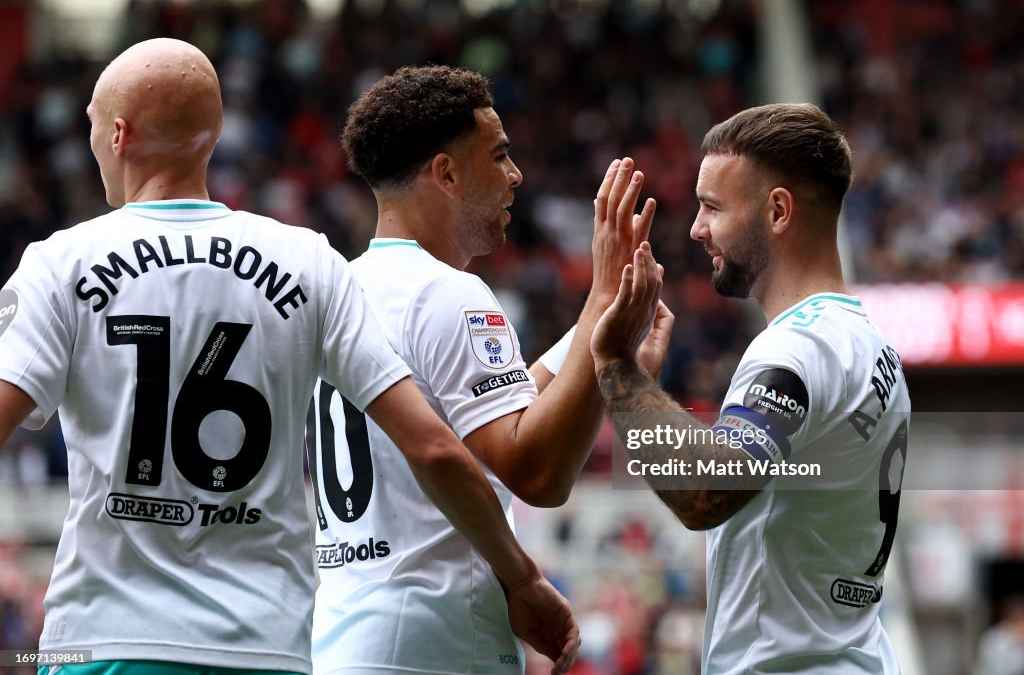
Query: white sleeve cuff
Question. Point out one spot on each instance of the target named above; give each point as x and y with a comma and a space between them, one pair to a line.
553, 358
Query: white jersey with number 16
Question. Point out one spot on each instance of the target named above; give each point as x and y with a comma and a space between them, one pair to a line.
180, 342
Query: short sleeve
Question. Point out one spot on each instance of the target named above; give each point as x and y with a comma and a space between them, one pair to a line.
357, 357
779, 392
466, 349
36, 337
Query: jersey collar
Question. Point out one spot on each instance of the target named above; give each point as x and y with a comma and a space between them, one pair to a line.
178, 209
817, 301
388, 242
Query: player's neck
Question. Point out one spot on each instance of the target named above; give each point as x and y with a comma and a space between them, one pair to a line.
409, 219
160, 186
780, 287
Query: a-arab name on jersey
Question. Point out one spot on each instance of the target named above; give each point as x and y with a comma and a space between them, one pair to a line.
8, 308
491, 337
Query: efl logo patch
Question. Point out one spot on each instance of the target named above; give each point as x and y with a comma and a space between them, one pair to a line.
491, 338
8, 308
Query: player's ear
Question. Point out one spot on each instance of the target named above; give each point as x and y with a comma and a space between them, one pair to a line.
118, 140
443, 172
780, 209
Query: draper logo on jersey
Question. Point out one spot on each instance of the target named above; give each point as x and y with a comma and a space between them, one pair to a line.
491, 338
8, 308
329, 556
499, 381
176, 512
854, 593
779, 395
149, 509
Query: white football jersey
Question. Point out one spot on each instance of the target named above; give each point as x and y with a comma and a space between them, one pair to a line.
180, 342
795, 577
400, 589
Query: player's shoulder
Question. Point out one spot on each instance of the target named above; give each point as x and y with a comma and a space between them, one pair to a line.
88, 229
826, 321
457, 283
821, 313
292, 235
67, 241
454, 293
424, 278
787, 342
820, 330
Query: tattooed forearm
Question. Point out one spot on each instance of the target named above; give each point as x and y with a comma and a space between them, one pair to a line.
634, 399
627, 388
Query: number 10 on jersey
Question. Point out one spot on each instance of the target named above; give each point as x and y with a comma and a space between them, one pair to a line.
328, 412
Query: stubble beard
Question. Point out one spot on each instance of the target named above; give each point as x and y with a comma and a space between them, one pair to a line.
737, 275
480, 232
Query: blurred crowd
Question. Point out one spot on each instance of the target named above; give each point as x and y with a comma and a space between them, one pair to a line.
21, 599
634, 575
932, 97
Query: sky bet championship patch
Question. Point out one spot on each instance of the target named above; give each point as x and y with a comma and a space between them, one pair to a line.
491, 338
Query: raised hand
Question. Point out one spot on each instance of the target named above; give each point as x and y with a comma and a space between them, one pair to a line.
618, 230
624, 325
653, 350
541, 618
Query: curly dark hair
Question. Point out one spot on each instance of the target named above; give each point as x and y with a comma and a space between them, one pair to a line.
408, 117
798, 141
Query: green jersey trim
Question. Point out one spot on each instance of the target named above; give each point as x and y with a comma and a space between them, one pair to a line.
817, 299
178, 210
386, 243
174, 205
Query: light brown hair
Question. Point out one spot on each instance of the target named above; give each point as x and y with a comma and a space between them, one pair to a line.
799, 142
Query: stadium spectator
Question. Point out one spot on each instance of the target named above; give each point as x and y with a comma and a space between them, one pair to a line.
930, 94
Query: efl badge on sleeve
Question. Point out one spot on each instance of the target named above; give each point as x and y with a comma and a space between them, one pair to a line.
491, 338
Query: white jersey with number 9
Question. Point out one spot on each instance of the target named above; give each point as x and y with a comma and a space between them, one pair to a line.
795, 577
